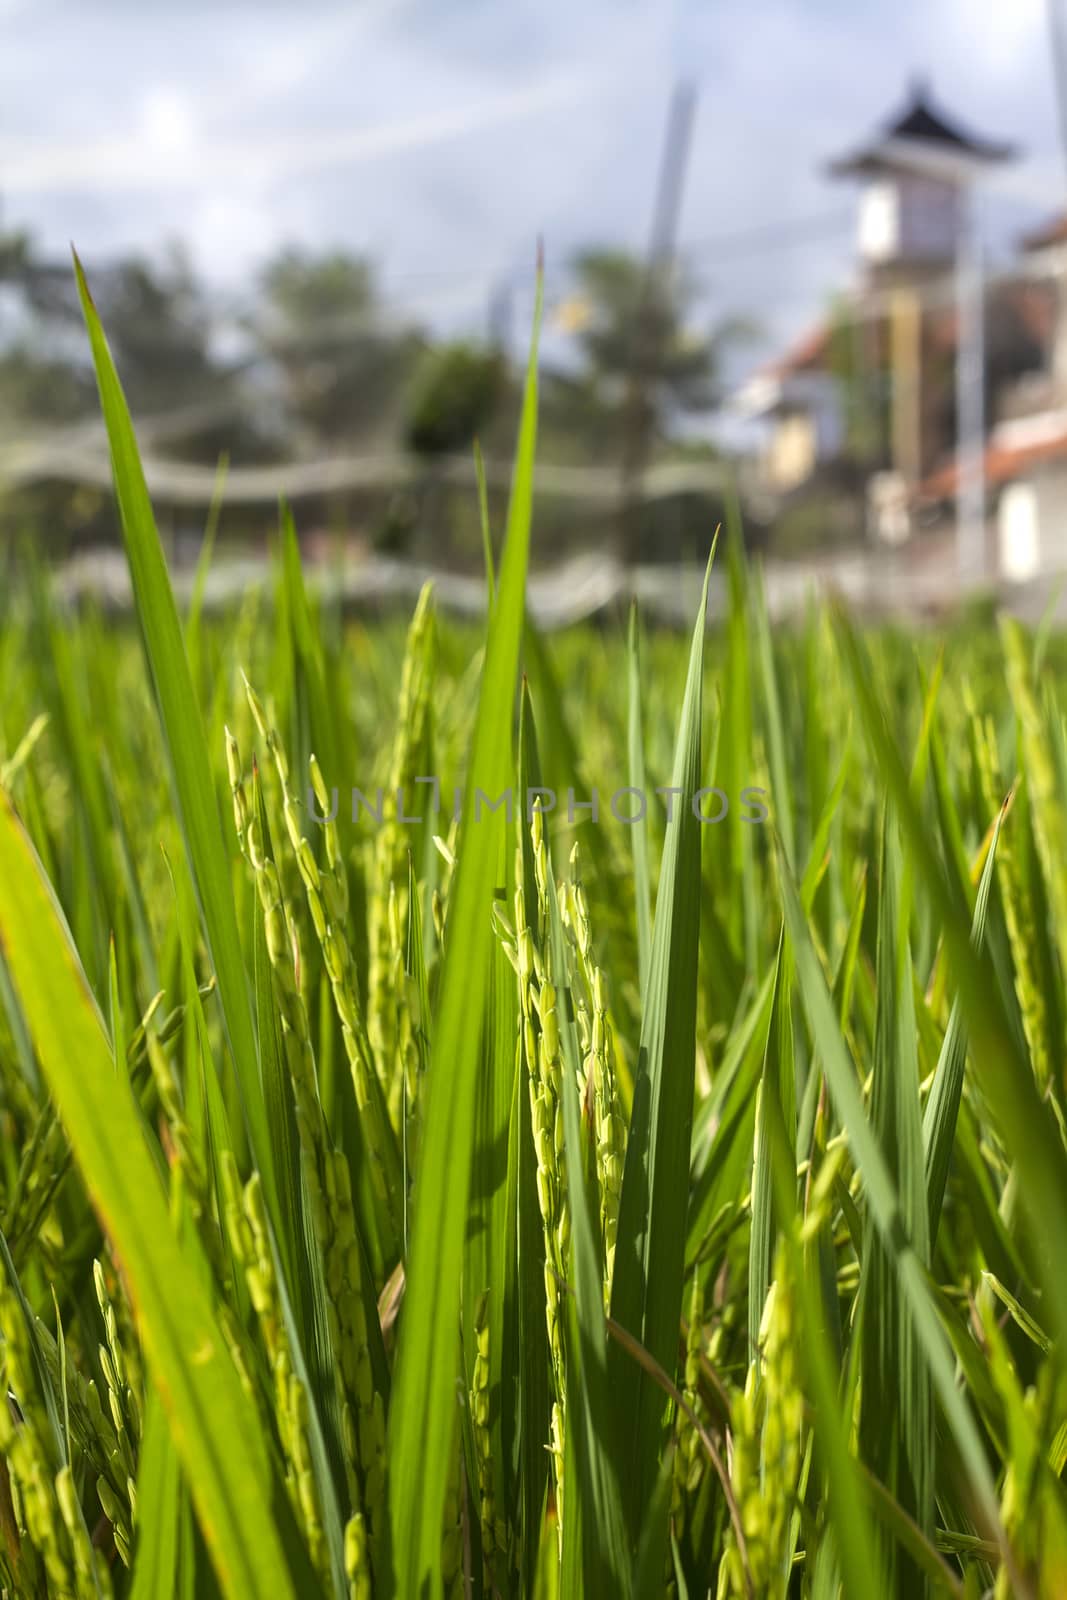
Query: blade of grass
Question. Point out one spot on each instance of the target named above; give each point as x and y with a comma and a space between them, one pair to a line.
184, 735
881, 1192
156, 1549
896, 1433
638, 829
191, 1367
943, 1102
848, 1521
591, 1405
772, 711
526, 1377
1005, 1077
421, 1415
777, 1080
650, 1245
487, 532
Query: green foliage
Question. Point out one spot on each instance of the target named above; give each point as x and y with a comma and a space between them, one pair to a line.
637, 324
455, 392
341, 368
526, 1204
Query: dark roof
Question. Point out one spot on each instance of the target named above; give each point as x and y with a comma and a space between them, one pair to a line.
920, 123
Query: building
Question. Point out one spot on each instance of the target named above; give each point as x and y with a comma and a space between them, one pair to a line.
914, 177
877, 395
1024, 460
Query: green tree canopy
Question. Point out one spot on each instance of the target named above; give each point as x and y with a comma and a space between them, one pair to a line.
641, 327
342, 366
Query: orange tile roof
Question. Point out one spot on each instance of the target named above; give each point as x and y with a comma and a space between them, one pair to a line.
806, 354
1003, 462
1050, 233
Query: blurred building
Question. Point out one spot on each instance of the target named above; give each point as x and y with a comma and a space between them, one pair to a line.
1025, 452
922, 365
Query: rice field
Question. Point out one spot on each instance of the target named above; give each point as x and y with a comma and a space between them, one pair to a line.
496, 1115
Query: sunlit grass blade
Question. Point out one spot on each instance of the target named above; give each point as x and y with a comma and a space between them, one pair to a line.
1005, 1077
777, 1081
635, 745
180, 715
650, 1248
737, 746
422, 1412
896, 1433
156, 1551
525, 1380
777, 755
597, 1521
487, 1268
851, 1535
487, 532
943, 1102
227, 1466
57, 1435
821, 837
881, 1194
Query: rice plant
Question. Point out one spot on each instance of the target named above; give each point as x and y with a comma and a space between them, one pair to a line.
504, 1116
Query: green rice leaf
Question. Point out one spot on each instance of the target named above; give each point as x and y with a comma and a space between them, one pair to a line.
881, 1193
635, 746
227, 1466
943, 1103
896, 1434
184, 734
650, 1246
421, 1415
156, 1550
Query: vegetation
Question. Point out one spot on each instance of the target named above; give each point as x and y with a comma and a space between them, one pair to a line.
640, 326
534, 1205
315, 364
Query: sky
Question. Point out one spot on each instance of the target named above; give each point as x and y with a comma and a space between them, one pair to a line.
443, 139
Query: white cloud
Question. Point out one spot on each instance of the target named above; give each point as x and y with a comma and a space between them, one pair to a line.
166, 129
167, 122
443, 139
1001, 42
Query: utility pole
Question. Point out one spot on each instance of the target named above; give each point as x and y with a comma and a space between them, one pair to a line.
500, 313
905, 326
660, 263
970, 396
1057, 21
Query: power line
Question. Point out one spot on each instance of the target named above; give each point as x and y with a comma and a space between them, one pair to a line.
774, 235
759, 237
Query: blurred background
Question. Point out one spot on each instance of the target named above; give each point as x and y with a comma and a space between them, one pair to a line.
805, 263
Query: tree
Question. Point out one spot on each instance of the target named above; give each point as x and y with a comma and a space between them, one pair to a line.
455, 393
342, 369
157, 319
41, 381
638, 330
190, 394
646, 362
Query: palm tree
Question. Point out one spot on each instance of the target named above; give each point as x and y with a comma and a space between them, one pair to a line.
342, 367
647, 358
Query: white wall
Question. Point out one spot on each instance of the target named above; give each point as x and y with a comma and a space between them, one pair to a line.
908, 217
1032, 524
1017, 533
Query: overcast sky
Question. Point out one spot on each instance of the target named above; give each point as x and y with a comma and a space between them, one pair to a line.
442, 138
